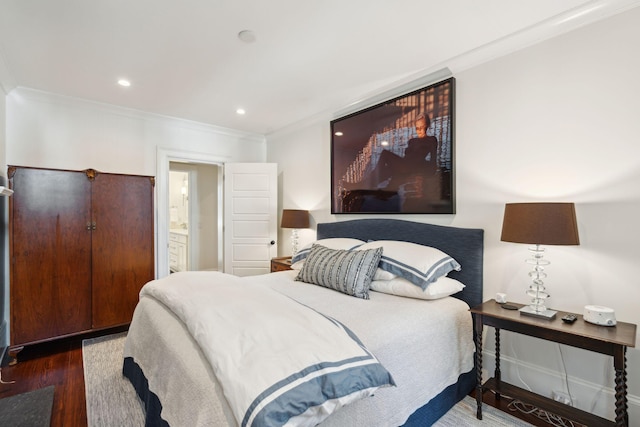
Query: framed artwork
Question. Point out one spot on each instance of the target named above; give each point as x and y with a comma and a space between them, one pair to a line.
397, 156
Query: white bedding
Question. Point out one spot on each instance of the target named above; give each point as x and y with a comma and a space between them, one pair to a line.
425, 345
277, 359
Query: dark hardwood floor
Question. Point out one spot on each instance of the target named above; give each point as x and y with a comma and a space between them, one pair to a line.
59, 364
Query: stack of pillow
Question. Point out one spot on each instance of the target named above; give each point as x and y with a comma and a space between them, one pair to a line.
354, 267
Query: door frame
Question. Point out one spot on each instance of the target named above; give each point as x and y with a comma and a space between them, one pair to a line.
164, 157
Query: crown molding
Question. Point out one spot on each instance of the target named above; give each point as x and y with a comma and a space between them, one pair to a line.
590, 12
72, 102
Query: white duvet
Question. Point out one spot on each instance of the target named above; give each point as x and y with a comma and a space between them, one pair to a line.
425, 345
279, 362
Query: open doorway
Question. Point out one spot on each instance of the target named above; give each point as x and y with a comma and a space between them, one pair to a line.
241, 256
187, 162
194, 238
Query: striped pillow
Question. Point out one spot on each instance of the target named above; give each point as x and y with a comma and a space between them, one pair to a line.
331, 243
349, 272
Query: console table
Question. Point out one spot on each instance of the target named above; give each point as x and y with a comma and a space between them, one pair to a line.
609, 340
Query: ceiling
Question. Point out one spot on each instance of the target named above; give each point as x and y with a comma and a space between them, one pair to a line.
184, 58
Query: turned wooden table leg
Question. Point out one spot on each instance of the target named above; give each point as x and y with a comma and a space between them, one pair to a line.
477, 336
620, 365
498, 374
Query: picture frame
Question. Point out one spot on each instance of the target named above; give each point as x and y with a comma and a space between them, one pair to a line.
396, 156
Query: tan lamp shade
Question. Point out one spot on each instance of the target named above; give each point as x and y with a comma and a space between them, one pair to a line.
295, 218
540, 224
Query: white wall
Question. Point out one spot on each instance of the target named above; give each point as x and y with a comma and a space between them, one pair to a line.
554, 122
206, 226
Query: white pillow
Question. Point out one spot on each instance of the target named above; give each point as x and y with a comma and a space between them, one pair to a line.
418, 264
332, 243
384, 275
443, 287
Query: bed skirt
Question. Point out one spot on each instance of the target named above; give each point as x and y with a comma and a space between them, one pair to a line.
152, 405
423, 416
440, 405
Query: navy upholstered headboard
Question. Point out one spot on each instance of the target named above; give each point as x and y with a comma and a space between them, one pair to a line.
465, 245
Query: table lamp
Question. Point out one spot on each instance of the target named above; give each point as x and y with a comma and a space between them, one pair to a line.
539, 224
295, 219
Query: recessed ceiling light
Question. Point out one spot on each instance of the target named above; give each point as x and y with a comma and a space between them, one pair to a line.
124, 82
240, 111
338, 133
247, 36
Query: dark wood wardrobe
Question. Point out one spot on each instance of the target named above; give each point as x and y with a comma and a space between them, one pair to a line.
81, 247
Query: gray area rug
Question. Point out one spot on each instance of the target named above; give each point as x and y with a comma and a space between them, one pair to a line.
464, 414
30, 409
112, 401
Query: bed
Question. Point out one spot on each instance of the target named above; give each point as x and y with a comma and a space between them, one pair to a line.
173, 375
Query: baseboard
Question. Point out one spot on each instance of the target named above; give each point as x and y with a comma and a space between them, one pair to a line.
588, 396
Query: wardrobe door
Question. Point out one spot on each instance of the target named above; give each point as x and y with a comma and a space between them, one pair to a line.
122, 245
50, 254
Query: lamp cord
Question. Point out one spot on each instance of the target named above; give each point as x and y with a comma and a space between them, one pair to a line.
566, 374
513, 350
607, 372
525, 408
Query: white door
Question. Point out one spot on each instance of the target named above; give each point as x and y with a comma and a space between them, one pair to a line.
250, 217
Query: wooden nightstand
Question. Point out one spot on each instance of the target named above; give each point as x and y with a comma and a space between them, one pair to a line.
281, 264
609, 340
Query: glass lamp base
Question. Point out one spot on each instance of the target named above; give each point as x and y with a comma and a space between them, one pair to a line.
294, 241
544, 314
